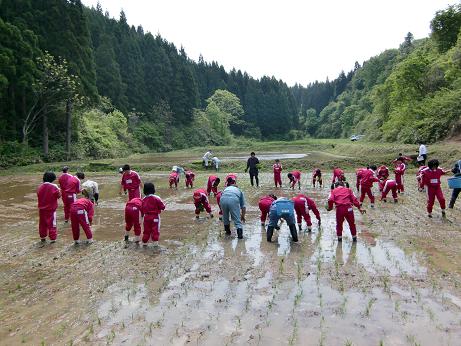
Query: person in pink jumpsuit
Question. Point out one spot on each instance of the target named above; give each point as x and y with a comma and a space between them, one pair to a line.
419, 178
201, 203
173, 179
386, 186
218, 199
70, 187
358, 176
338, 175
264, 205
190, 177
399, 170
48, 195
277, 169
317, 177
232, 176
294, 177
344, 200
152, 206
131, 182
431, 179
133, 218
81, 214
212, 184
302, 206
366, 184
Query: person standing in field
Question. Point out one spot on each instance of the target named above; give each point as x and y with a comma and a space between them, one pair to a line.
277, 169
387, 185
366, 184
294, 177
212, 184
131, 182
264, 205
152, 206
338, 175
454, 195
281, 208
232, 176
201, 203
70, 187
399, 170
206, 158
173, 179
216, 162
344, 200
422, 157
253, 166
431, 179
190, 177
48, 195
133, 218
302, 205
233, 206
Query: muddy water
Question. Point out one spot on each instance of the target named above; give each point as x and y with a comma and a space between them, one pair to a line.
399, 285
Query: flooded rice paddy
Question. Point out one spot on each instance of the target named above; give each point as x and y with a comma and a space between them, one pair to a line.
398, 285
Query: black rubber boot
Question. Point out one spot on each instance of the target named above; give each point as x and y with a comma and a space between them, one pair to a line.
270, 231
227, 229
126, 238
294, 233
239, 233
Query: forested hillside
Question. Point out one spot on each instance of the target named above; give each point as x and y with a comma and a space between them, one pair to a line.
408, 94
77, 83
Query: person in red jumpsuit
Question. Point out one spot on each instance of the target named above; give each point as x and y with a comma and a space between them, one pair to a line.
399, 170
131, 182
294, 177
152, 206
173, 179
133, 218
419, 178
277, 169
317, 177
232, 176
70, 187
338, 175
302, 206
431, 179
48, 195
344, 200
190, 177
264, 205
387, 185
382, 173
201, 202
358, 175
218, 199
366, 184
81, 214
212, 184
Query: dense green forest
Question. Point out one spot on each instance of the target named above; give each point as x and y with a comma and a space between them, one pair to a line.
77, 83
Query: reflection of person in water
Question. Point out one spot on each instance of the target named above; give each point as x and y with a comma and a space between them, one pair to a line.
351, 258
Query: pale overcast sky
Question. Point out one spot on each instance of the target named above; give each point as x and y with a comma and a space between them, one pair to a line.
294, 40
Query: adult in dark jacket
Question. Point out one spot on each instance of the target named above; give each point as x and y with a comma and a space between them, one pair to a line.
252, 165
454, 195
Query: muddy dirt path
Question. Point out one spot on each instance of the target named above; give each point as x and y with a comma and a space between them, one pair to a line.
399, 285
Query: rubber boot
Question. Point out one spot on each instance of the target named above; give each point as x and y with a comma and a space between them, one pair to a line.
294, 233
270, 231
227, 229
300, 227
239, 233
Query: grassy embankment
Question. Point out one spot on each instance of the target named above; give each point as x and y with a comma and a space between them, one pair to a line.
323, 153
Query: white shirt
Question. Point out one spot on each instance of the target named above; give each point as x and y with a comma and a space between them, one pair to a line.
422, 150
91, 186
207, 155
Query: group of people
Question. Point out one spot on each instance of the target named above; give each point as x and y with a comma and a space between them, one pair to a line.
231, 200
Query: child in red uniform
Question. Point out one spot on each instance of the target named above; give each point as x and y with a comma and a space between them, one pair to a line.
190, 177
151, 208
70, 187
218, 199
81, 214
277, 168
201, 202
399, 170
358, 175
295, 177
131, 181
386, 185
366, 183
212, 185
264, 204
133, 218
232, 176
48, 195
338, 175
419, 178
173, 179
382, 173
302, 206
344, 199
317, 177
431, 179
